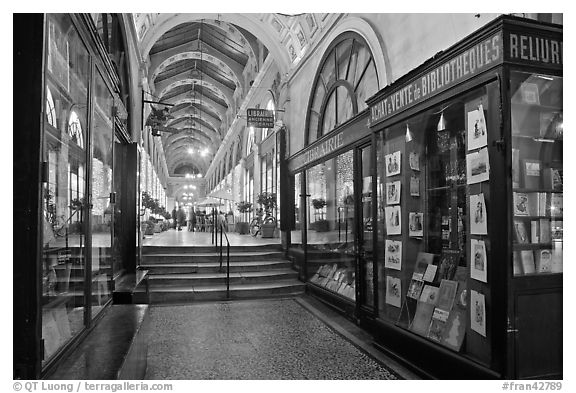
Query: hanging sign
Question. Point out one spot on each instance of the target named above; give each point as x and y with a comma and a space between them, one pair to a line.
480, 57
260, 118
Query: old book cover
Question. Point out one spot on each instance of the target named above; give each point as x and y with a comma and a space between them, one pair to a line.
520, 232
556, 205
527, 259
556, 258
516, 168
543, 204
520, 204
446, 294
544, 228
544, 261
517, 265
424, 310
448, 262
535, 231
556, 230
533, 204
553, 179
532, 173
454, 331
437, 324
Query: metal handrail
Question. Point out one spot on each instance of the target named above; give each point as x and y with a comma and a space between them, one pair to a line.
223, 233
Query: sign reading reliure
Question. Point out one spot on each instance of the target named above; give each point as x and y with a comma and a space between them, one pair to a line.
465, 65
260, 118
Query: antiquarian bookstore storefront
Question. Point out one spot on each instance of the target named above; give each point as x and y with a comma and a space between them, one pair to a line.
440, 229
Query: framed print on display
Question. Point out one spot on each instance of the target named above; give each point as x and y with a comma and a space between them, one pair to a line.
477, 133
416, 224
393, 220
393, 254
393, 291
477, 166
393, 163
414, 159
478, 216
393, 193
478, 266
415, 186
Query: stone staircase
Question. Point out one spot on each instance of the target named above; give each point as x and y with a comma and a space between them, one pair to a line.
192, 273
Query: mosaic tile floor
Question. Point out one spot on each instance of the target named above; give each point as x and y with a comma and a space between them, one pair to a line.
251, 340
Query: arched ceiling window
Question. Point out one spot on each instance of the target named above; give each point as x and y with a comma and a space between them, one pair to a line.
50, 109
346, 78
249, 140
75, 129
270, 106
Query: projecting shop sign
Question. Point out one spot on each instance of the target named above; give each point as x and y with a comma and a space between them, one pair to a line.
260, 118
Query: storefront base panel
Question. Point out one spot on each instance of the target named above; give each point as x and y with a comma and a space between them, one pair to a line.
423, 356
338, 303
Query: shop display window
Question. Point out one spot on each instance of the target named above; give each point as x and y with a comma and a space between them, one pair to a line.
64, 202
330, 214
537, 173
432, 195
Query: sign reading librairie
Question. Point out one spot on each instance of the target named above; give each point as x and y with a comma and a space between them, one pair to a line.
465, 65
260, 118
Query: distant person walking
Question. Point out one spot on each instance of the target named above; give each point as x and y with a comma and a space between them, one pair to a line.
181, 218
174, 218
191, 219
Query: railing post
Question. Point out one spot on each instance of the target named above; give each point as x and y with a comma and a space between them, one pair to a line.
228, 269
221, 245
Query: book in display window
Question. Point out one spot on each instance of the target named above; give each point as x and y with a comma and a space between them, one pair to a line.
537, 173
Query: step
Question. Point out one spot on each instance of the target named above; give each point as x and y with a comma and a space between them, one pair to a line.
211, 257
210, 279
150, 250
212, 267
218, 292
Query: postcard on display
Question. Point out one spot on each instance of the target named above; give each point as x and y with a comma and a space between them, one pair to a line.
478, 216
478, 313
393, 254
393, 163
477, 133
415, 186
416, 223
477, 166
393, 193
423, 259
393, 220
415, 288
414, 159
478, 267
393, 291
430, 273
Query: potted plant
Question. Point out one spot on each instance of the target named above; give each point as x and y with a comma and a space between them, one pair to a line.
242, 227
268, 202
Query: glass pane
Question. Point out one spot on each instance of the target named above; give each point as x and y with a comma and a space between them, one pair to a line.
367, 87
537, 173
343, 58
63, 261
330, 228
329, 120
423, 201
101, 213
345, 109
120, 152
366, 246
351, 77
362, 59
296, 235
328, 73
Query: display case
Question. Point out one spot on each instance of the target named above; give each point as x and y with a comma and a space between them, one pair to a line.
468, 207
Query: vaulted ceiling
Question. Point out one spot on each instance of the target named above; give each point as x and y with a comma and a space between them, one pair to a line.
204, 65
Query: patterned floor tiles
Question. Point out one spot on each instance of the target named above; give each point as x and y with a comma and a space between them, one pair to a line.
251, 340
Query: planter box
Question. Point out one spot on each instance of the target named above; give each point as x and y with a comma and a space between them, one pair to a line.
242, 228
267, 230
